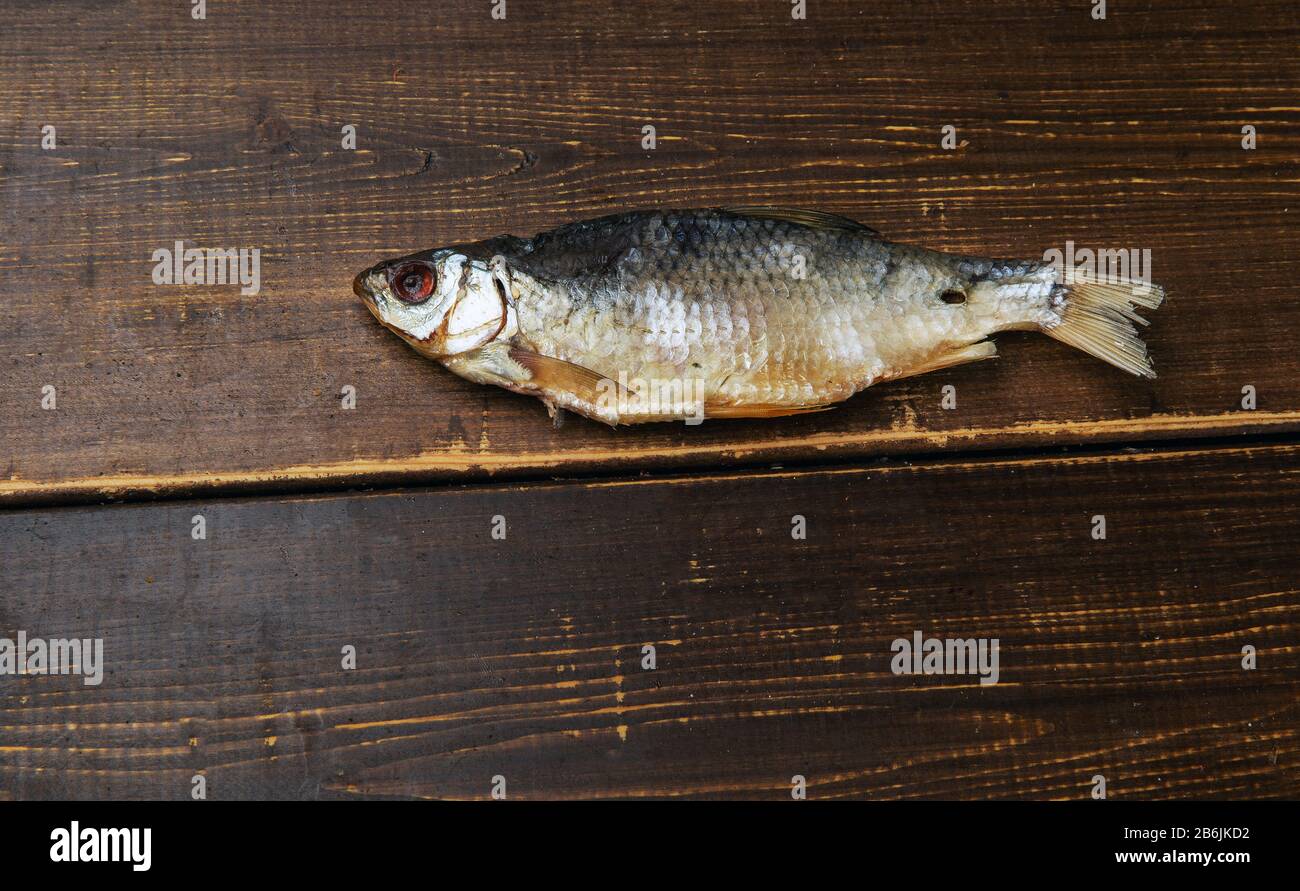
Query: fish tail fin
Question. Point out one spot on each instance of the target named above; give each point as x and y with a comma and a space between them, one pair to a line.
1097, 317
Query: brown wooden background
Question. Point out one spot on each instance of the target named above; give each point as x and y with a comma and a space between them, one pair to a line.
522, 658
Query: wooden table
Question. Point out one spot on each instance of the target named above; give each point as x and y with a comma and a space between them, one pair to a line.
526, 658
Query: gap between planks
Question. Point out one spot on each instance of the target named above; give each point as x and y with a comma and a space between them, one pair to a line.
380, 476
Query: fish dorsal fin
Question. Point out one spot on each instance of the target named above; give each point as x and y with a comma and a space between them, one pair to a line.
813, 219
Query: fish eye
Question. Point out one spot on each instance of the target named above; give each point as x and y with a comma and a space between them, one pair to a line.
412, 282
953, 297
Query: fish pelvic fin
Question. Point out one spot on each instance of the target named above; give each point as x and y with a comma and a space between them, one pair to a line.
715, 410
1097, 316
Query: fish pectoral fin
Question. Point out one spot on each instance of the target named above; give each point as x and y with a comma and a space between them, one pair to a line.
813, 219
486, 365
716, 410
985, 349
551, 374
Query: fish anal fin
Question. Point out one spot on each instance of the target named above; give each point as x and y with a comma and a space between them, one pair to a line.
714, 410
985, 349
813, 219
556, 375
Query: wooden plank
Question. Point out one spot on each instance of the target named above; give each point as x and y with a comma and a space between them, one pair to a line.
522, 657
226, 133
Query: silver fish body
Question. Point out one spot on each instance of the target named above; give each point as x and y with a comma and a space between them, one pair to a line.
740, 312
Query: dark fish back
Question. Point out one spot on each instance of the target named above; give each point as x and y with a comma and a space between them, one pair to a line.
623, 249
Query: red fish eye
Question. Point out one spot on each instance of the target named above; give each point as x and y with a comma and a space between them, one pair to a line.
412, 283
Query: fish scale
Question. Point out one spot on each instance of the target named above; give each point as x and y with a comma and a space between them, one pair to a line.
681, 262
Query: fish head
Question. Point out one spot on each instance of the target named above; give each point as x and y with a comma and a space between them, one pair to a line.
1000, 295
442, 302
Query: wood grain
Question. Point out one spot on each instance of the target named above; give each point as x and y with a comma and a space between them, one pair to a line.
522, 658
226, 133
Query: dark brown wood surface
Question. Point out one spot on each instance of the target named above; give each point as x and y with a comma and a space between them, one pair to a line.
1123, 133
521, 658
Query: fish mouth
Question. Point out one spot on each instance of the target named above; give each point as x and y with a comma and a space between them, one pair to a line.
359, 286
369, 290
